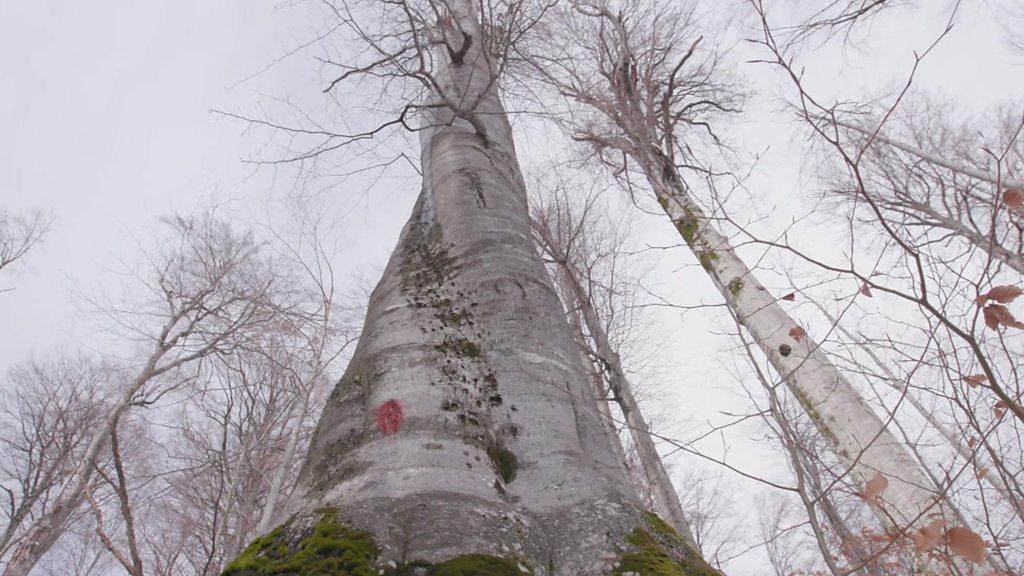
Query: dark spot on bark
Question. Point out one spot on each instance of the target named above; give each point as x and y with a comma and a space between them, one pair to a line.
505, 462
475, 185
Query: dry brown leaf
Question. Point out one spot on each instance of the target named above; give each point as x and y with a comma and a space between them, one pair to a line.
865, 290
1000, 408
997, 314
874, 488
797, 333
1004, 294
879, 537
1014, 199
929, 536
975, 380
991, 318
965, 543
789, 297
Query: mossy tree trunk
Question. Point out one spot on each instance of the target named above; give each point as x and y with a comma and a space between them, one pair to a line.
492, 458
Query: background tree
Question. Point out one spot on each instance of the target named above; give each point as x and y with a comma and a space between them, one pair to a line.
639, 82
203, 298
585, 260
48, 410
19, 234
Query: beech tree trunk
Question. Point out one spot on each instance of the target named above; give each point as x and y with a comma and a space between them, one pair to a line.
665, 496
597, 384
499, 450
858, 436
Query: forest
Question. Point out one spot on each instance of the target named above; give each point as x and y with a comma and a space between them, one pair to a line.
512, 287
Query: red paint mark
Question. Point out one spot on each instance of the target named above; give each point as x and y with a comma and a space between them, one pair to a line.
390, 417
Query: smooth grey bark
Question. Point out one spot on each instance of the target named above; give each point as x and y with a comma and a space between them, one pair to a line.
665, 496
595, 377
501, 451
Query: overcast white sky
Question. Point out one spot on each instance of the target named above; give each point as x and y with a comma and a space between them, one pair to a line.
105, 122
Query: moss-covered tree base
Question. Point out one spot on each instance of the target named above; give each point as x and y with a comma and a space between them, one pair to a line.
327, 547
468, 565
658, 550
321, 545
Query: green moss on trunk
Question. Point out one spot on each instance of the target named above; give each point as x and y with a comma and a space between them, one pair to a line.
505, 462
328, 547
324, 546
660, 551
466, 565
477, 565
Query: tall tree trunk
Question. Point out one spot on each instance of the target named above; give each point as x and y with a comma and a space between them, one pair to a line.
665, 496
959, 167
986, 243
464, 424
596, 377
858, 436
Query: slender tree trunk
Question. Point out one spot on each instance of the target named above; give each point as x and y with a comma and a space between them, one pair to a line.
127, 514
464, 423
277, 482
930, 157
605, 413
858, 436
994, 479
596, 378
665, 496
986, 243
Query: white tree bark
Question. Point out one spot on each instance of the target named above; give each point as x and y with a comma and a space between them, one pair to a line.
859, 437
930, 157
